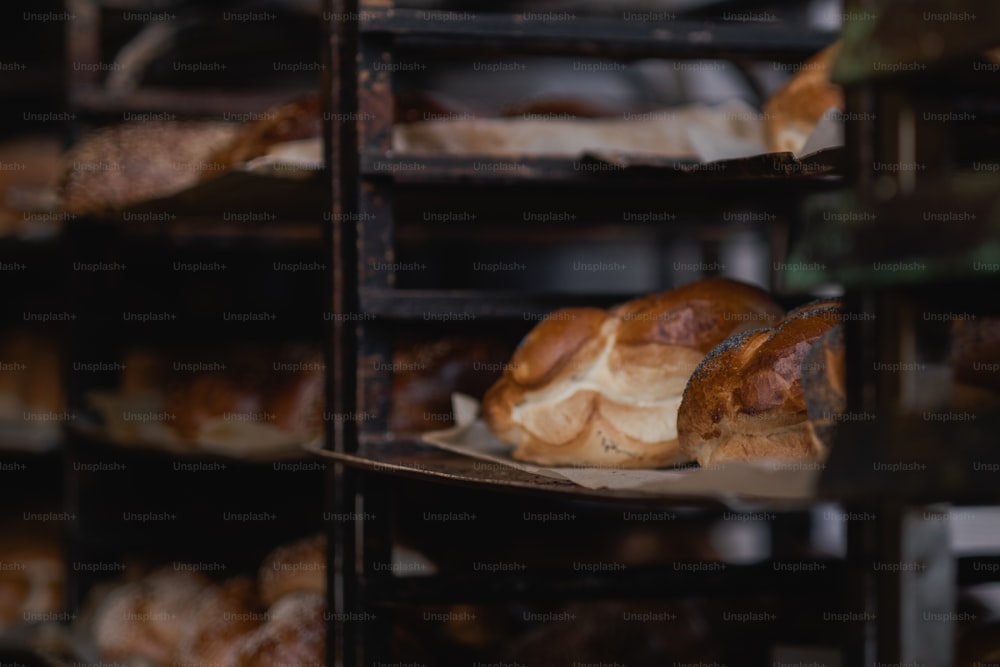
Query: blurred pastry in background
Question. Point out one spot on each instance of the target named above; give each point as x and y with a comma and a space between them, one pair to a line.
792, 114
29, 178
294, 634
293, 568
247, 400
118, 166
427, 373
145, 619
220, 620
32, 395
32, 578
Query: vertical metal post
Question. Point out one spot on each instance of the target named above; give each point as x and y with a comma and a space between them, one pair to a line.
341, 147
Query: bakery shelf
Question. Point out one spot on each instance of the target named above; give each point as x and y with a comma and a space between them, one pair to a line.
622, 172
467, 305
825, 576
371, 182
588, 36
409, 458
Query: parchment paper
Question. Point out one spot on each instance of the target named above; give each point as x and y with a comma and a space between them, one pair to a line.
785, 480
706, 133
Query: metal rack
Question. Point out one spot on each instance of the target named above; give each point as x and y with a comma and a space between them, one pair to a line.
97, 478
902, 68
113, 43
370, 187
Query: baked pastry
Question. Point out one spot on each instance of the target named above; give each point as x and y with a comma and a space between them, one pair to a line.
746, 401
251, 392
295, 634
299, 566
426, 374
32, 580
294, 121
145, 618
601, 388
792, 114
222, 617
118, 166
31, 374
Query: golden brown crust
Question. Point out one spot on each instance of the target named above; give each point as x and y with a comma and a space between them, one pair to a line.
550, 345
601, 388
698, 315
299, 566
793, 112
745, 400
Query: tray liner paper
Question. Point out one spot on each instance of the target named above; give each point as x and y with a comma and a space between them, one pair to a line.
763, 479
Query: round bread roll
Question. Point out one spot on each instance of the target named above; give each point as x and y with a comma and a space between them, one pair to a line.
792, 114
222, 617
295, 634
590, 387
118, 166
295, 567
745, 400
146, 618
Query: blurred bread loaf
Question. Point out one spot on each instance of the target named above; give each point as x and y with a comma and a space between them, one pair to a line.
426, 373
32, 578
292, 568
118, 166
792, 114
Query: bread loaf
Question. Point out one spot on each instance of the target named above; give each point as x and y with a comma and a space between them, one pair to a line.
291, 568
746, 401
427, 373
145, 618
217, 624
122, 165
275, 386
601, 388
295, 634
792, 114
